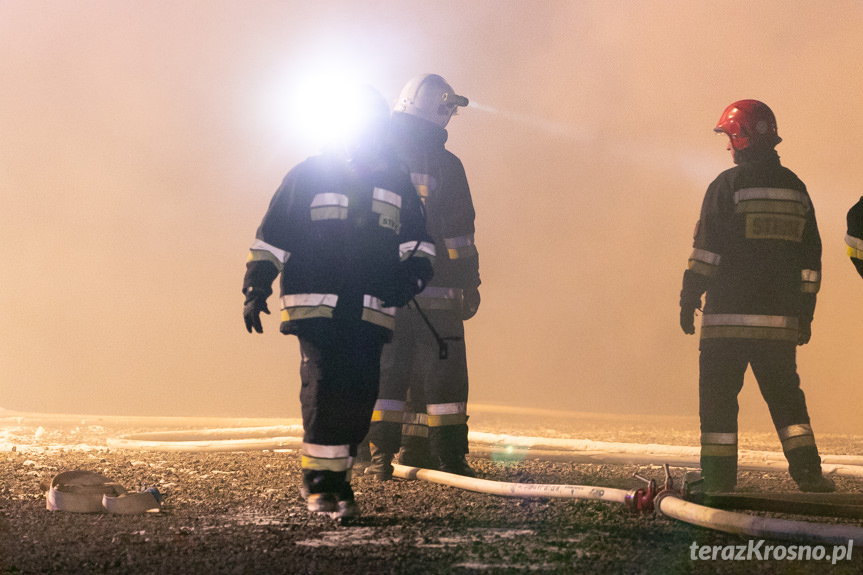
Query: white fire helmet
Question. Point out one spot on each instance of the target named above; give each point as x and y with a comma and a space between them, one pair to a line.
431, 98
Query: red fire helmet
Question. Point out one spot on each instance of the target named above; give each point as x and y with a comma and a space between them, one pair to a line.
748, 123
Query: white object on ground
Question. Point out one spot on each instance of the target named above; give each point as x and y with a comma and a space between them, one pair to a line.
485, 444
671, 505
224, 439
89, 492
512, 489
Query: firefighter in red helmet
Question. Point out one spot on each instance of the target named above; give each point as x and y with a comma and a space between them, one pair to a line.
757, 256
854, 237
421, 411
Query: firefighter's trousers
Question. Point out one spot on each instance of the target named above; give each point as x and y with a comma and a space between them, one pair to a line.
723, 363
340, 372
411, 363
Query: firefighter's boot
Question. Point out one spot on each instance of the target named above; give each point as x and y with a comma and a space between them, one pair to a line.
719, 473
804, 466
449, 445
457, 464
346, 507
415, 452
321, 489
381, 467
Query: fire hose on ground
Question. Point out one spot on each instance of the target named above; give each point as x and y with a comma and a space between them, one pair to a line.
666, 501
506, 447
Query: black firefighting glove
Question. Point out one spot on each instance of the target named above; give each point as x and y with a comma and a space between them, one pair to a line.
687, 319
804, 331
410, 279
470, 303
256, 302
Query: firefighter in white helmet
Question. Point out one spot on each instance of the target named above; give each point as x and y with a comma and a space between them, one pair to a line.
422, 403
758, 257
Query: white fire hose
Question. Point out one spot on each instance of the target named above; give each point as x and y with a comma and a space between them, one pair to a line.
671, 505
484, 444
512, 489
89, 492
668, 503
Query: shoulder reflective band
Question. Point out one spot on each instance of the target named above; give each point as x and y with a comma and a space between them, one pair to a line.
326, 457
425, 250
704, 262
460, 247
855, 247
391, 410
794, 436
387, 205
774, 327
89, 492
719, 444
771, 200
261, 250
810, 281
443, 414
308, 305
329, 206
375, 312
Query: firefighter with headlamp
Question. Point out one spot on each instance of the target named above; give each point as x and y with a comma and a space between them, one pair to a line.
347, 234
422, 405
757, 255
854, 237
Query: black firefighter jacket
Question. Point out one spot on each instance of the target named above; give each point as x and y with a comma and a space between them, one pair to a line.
340, 234
440, 180
757, 254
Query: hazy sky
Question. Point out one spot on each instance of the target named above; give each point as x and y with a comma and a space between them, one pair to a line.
140, 143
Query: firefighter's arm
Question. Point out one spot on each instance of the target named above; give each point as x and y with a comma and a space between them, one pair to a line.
416, 250
854, 237
458, 231
268, 254
703, 263
810, 277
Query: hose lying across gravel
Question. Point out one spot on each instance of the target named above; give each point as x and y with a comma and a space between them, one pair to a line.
667, 503
271, 434
482, 444
512, 489
671, 505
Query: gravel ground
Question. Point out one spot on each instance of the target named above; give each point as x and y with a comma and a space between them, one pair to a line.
241, 512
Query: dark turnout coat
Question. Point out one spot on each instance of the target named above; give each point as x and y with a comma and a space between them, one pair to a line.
757, 254
337, 231
440, 180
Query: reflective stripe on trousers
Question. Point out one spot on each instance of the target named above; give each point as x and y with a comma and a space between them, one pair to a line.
748, 326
